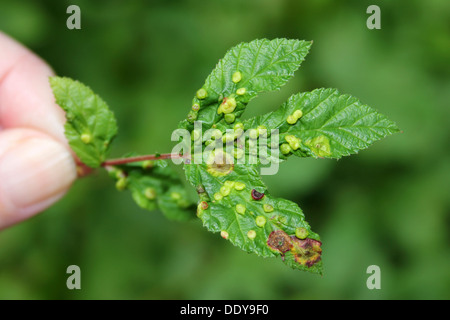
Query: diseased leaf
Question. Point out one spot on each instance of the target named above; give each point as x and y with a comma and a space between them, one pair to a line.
233, 199
332, 125
154, 185
90, 125
246, 70
322, 124
239, 206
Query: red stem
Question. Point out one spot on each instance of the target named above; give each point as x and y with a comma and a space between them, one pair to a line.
115, 162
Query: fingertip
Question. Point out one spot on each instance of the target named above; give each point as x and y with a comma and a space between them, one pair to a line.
26, 99
35, 171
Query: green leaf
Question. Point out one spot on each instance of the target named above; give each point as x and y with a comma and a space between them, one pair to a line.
333, 125
256, 67
90, 125
321, 123
227, 206
154, 185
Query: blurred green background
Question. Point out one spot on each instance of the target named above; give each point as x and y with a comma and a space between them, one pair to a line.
388, 205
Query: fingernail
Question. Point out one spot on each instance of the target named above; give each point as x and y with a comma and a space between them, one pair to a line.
34, 171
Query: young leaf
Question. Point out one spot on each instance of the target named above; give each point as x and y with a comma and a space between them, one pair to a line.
246, 70
90, 125
331, 125
239, 206
154, 185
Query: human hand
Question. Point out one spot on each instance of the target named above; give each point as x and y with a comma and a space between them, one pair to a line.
36, 165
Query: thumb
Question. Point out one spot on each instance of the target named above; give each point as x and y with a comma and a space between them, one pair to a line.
35, 171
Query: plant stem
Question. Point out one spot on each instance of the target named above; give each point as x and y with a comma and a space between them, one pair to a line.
115, 162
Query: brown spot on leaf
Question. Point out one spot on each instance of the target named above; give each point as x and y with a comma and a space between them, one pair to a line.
280, 241
200, 189
220, 164
306, 252
204, 205
257, 195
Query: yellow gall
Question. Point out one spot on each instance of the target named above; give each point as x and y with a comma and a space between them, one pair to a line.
86, 138
150, 193
240, 208
301, 233
238, 125
228, 137
236, 77
291, 119
120, 174
202, 93
293, 141
175, 196
121, 184
238, 132
285, 148
298, 114
251, 234
260, 221
228, 105
253, 134
147, 164
218, 196
229, 118
239, 186
238, 153
241, 91
229, 184
224, 234
225, 191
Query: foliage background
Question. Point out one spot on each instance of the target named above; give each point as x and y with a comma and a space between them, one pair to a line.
387, 206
